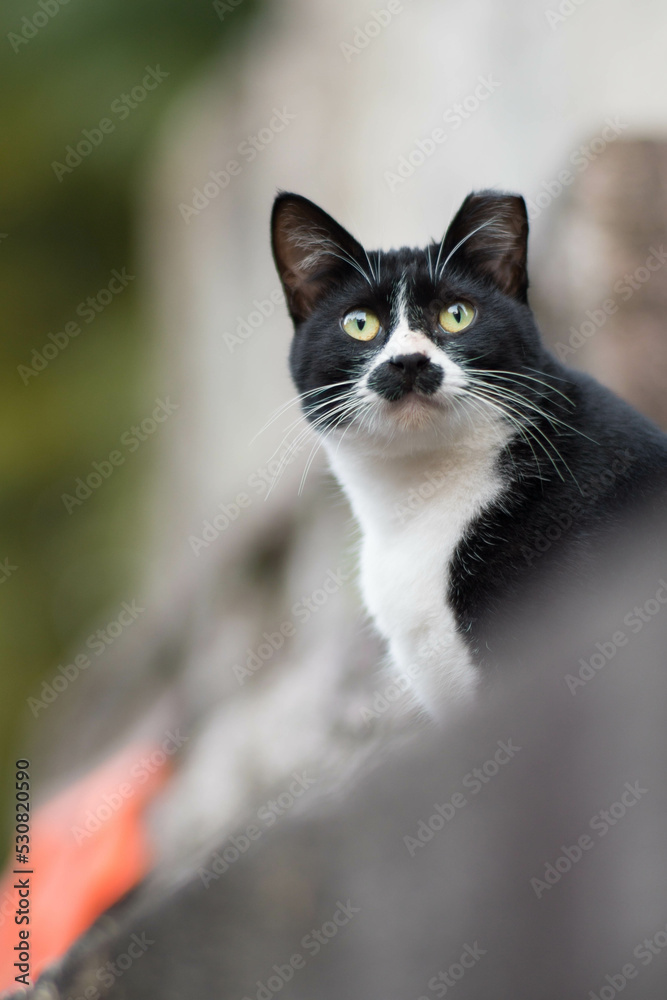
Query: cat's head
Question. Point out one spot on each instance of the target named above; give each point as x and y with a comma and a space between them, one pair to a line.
408, 345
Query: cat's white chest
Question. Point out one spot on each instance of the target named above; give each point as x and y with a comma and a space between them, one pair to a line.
404, 580
413, 514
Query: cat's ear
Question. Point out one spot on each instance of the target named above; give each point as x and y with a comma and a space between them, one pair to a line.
310, 250
489, 234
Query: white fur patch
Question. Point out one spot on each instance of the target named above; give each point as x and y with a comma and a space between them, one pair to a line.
417, 474
404, 340
413, 512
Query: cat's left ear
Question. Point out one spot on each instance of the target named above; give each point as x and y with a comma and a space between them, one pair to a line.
489, 235
311, 251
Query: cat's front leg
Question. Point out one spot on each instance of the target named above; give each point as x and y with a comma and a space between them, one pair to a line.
436, 662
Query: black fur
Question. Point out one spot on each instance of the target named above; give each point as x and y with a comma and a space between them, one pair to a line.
394, 379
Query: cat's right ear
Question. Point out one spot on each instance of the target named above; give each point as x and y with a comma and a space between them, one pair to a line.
489, 233
310, 250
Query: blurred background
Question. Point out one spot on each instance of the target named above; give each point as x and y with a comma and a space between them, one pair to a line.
63, 236
145, 338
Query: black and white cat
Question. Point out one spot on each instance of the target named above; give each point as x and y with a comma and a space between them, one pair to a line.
481, 470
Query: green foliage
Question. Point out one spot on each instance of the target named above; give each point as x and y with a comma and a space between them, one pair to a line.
61, 240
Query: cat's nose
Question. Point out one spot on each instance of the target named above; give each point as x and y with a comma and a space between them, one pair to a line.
404, 372
410, 365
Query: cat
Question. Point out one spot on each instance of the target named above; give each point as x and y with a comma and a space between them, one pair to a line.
428, 836
481, 470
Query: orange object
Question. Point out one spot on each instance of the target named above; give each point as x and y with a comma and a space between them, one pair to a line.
88, 846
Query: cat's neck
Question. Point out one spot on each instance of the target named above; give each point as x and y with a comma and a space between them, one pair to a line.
390, 487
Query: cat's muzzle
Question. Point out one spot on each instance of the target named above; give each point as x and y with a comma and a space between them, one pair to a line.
405, 373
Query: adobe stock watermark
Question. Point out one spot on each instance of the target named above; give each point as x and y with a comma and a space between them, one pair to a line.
225, 7
581, 159
259, 484
433, 480
121, 108
446, 979
246, 327
301, 611
97, 643
267, 815
365, 33
130, 441
32, 25
565, 9
473, 783
390, 694
401, 683
644, 952
635, 621
88, 310
624, 288
417, 496
138, 774
312, 943
600, 824
248, 150
594, 487
7, 907
454, 118
107, 974
7, 570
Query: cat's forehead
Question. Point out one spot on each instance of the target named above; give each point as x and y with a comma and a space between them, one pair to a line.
411, 277
408, 263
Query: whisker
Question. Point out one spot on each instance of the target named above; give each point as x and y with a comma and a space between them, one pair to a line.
558, 377
526, 435
459, 244
518, 427
308, 428
504, 392
550, 417
300, 397
342, 397
347, 259
350, 410
320, 244
517, 374
430, 262
370, 266
539, 430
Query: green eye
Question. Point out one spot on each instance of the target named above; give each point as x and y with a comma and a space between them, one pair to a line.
456, 318
362, 324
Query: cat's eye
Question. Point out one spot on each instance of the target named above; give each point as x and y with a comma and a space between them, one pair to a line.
455, 318
362, 324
